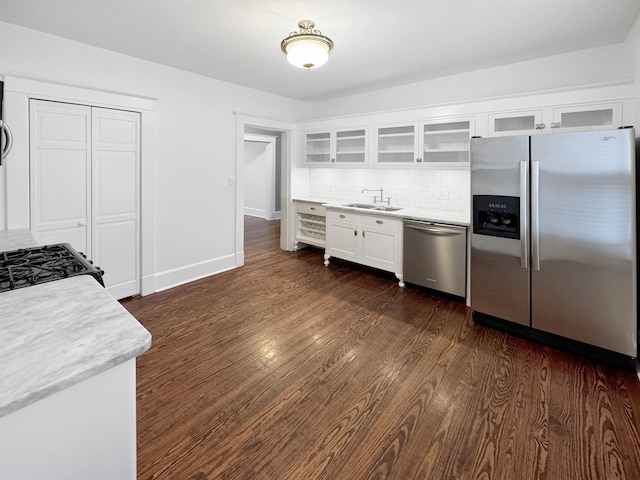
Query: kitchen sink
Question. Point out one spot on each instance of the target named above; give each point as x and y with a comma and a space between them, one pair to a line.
387, 208
368, 206
359, 205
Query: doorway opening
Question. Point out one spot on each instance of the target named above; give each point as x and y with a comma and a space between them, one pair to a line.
262, 165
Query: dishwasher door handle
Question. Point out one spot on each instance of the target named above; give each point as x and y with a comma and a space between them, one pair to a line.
434, 230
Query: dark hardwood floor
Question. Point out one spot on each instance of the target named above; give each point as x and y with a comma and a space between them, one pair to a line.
286, 369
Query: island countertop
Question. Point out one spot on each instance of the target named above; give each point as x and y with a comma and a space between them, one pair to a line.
59, 333
15, 239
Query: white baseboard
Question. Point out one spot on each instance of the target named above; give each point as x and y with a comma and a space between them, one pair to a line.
255, 212
189, 273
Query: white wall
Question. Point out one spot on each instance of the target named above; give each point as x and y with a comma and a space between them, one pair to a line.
255, 187
596, 66
195, 140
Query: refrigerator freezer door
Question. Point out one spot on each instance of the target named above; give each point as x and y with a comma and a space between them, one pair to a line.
585, 287
499, 274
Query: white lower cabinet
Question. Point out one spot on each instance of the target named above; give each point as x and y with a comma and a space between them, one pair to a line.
368, 239
310, 224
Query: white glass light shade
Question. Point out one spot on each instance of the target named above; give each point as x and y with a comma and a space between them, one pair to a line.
307, 53
307, 48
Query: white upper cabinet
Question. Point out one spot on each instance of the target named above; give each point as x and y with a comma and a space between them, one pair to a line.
556, 119
337, 147
526, 122
318, 147
446, 142
587, 117
397, 144
434, 142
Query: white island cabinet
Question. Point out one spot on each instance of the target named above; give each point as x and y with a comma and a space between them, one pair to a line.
68, 382
368, 239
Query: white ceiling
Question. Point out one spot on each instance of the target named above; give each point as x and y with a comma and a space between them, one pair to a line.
378, 43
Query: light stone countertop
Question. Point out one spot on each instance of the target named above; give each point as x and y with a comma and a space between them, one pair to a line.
15, 239
410, 213
59, 333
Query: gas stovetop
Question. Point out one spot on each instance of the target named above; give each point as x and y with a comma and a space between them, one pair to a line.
31, 266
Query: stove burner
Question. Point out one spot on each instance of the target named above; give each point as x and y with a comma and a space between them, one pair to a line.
30, 266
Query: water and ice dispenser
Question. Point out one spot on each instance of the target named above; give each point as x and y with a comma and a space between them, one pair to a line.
496, 216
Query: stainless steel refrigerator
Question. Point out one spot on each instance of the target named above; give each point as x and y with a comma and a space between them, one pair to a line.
553, 245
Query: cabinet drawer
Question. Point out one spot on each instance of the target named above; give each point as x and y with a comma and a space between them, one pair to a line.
381, 222
310, 207
342, 216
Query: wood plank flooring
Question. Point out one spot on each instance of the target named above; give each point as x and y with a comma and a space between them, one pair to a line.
288, 370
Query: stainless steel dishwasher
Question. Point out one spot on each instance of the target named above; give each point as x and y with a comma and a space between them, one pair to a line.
435, 256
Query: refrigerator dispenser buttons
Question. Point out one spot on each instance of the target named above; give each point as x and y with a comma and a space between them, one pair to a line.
496, 216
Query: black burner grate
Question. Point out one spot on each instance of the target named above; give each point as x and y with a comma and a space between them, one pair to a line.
31, 266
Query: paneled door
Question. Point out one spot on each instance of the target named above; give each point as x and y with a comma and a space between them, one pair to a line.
115, 196
61, 173
85, 164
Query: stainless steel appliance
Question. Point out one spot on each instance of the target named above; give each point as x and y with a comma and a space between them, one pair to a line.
6, 138
434, 256
553, 247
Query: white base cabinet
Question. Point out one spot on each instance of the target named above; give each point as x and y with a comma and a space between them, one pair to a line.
86, 431
310, 224
368, 239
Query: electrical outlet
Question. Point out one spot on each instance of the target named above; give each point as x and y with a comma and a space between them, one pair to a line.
443, 195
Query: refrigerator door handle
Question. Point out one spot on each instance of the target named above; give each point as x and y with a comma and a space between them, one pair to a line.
535, 230
6, 131
524, 232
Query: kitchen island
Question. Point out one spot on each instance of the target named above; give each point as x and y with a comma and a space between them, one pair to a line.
67, 382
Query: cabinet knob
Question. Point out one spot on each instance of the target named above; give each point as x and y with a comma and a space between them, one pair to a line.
555, 125
355, 233
540, 126
419, 160
333, 160
379, 222
342, 216
363, 234
312, 208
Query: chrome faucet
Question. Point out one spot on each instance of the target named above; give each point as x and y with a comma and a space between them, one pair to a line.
375, 198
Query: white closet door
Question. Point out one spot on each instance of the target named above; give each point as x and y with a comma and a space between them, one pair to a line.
115, 198
60, 173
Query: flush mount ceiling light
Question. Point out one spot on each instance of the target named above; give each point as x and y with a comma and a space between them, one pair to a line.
307, 48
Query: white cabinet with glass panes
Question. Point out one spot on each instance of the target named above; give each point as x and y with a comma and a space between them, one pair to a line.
527, 122
337, 147
436, 142
587, 117
318, 147
556, 119
397, 144
446, 141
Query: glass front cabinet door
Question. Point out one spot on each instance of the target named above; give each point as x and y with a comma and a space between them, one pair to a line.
587, 117
446, 141
434, 142
336, 147
397, 144
527, 122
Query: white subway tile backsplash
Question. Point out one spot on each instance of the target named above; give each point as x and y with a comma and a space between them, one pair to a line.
440, 189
